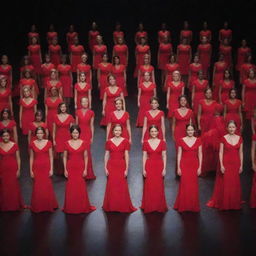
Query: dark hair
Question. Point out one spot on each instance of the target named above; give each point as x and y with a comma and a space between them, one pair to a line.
207, 89
119, 99
75, 127
117, 125
233, 89
59, 106
115, 57
5, 130
153, 126
154, 98
40, 128
182, 96
230, 74
5, 110
38, 112
192, 125
231, 122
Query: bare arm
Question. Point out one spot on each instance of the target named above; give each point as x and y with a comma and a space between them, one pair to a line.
65, 155
31, 160
167, 98
18, 163
75, 98
144, 159
104, 103
90, 98
20, 117
200, 157
199, 116
106, 157
253, 155
241, 155
163, 127
144, 128
54, 134
15, 134
51, 161
138, 99
85, 163
222, 168
164, 162
252, 125
126, 157
178, 160
173, 127
122, 97
128, 125
92, 128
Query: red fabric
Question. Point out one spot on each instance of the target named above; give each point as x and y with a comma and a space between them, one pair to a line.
184, 58
165, 51
119, 72
82, 92
199, 89
121, 50
105, 71
98, 51
55, 54
76, 53
65, 75
141, 51
4, 99
46, 72
204, 51
35, 57
242, 53
249, 97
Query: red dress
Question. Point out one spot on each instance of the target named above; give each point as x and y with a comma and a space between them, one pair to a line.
113, 120
146, 94
141, 51
76, 53
253, 189
121, 50
33, 127
110, 104
4, 99
186, 34
55, 54
227, 52
193, 71
119, 73
117, 34
70, 39
140, 34
7, 72
143, 69
162, 34
244, 71
33, 34
35, 56
117, 197
225, 89
220, 68
50, 36
62, 132
43, 198
249, 97
232, 112
105, 71
29, 68
49, 85
52, 111
86, 68
153, 191
227, 190
46, 72
157, 121
242, 53
184, 58
82, 92
225, 33
170, 68
207, 33
204, 51
84, 121
76, 197
199, 88
65, 72
92, 38
164, 53
98, 51
10, 194
10, 126
175, 92
29, 82
28, 114
188, 194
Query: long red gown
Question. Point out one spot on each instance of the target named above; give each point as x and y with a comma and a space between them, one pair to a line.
184, 58
76, 197
225, 89
105, 71
76, 53
121, 50
188, 193
92, 38
98, 51
84, 121
82, 92
28, 114
4, 99
227, 52
62, 132
117, 197
146, 94
66, 80
249, 97
6, 70
86, 68
193, 70
153, 199
70, 38
43, 198
253, 189
10, 126
141, 51
46, 72
157, 121
227, 190
220, 68
110, 104
10, 193
242, 53
164, 53
113, 120
175, 92
35, 56
199, 88
119, 73
55, 54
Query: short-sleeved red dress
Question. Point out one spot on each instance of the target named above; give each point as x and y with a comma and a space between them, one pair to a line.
227, 53
226, 86
98, 51
6, 70
4, 99
35, 56
119, 72
86, 68
82, 92
105, 71
184, 58
76, 53
46, 72
141, 51
92, 38
55, 54
199, 88
204, 51
121, 50
65, 72
164, 53
249, 97
242, 53
193, 71
10, 126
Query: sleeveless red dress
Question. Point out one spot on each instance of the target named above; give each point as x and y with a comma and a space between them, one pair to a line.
98, 51
184, 58
43, 197
46, 72
86, 68
82, 92
164, 53
146, 94
10, 126
76, 53
105, 71
4, 99
253, 189
204, 51
119, 73
242, 53
141, 51
193, 70
34, 56
198, 93
65, 72
188, 193
249, 97
11, 198
76, 197
117, 197
121, 50
7, 72
55, 54
153, 199
225, 89
84, 121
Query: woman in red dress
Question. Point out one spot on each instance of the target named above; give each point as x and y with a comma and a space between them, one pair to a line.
99, 49
120, 49
82, 89
206, 110
146, 67
182, 116
194, 68
175, 89
147, 90
76, 51
34, 53
6, 122
117, 197
55, 52
225, 86
46, 70
185, 33
41, 169
189, 165
140, 51
154, 170
5, 95
11, 199
51, 105
253, 189
119, 71
33, 33
6, 70
204, 50
199, 86
226, 50
122, 117
140, 33
169, 69
103, 72
249, 94
38, 122
155, 117
26, 65
163, 33
60, 135
227, 190
92, 35
85, 120
242, 53
70, 36
245, 68
51, 34
28, 81
75, 163
205, 32
66, 79
28, 106
53, 81
108, 103
233, 110
225, 32
117, 33
85, 68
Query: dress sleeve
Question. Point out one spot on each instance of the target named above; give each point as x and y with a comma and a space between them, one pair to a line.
107, 146
127, 145
144, 146
66, 146
15, 147
163, 145
49, 144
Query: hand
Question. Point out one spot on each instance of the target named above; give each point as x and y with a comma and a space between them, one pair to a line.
179, 171
75, 106
32, 175
20, 125
163, 172
199, 171
240, 169
144, 173
106, 171
142, 141
18, 173
66, 173
125, 173
167, 106
222, 169
138, 104
54, 143
50, 173
103, 113
130, 141
99, 85
84, 173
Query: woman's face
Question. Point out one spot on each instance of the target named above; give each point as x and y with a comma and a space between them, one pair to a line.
3, 83
6, 115
208, 94
112, 81
105, 58
231, 128
39, 117
4, 59
40, 134
34, 40
99, 39
75, 134
54, 92
196, 59
190, 131
120, 40
251, 74
84, 103
53, 75
27, 74
176, 76
6, 137
82, 77
200, 75
84, 58
119, 105
116, 61
117, 131
227, 74
153, 132
183, 102
233, 94
146, 60
26, 92
154, 104
63, 108
146, 76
